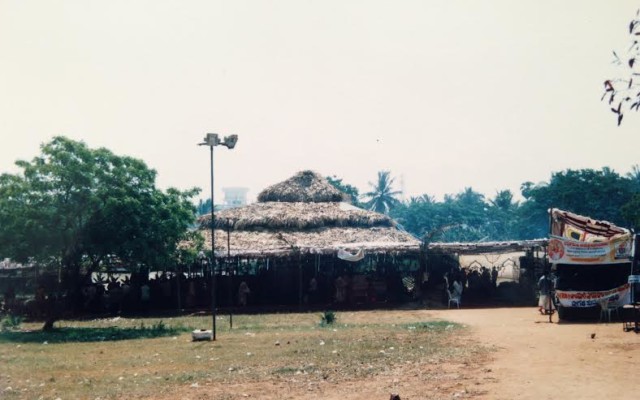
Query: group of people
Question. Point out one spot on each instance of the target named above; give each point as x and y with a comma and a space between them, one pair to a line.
357, 289
140, 294
479, 283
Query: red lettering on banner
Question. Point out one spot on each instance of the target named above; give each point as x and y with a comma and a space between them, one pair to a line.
590, 295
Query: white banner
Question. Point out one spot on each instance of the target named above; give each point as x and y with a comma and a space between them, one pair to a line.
345, 255
620, 296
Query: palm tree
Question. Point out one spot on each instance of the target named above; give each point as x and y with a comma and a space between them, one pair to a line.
423, 199
382, 197
634, 176
503, 200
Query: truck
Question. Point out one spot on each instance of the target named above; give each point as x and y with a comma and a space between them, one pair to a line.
591, 261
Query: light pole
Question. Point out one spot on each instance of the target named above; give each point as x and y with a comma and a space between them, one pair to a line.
212, 140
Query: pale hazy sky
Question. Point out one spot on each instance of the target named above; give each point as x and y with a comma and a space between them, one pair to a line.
447, 94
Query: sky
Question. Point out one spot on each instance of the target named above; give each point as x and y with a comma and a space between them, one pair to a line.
445, 94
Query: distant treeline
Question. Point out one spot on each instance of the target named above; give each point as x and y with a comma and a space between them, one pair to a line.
468, 216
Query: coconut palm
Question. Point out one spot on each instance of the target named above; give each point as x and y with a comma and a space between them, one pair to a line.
503, 200
634, 175
382, 197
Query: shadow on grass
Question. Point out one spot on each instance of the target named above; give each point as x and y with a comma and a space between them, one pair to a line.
76, 335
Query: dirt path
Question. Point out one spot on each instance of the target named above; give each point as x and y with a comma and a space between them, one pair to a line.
538, 360
529, 358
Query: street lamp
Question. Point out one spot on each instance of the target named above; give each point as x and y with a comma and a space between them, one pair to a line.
212, 140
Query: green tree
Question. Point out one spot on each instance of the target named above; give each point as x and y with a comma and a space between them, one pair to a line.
350, 191
599, 194
382, 197
631, 212
503, 200
74, 208
634, 177
204, 206
503, 216
461, 217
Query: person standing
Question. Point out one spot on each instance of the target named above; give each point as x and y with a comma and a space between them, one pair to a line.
243, 293
341, 289
145, 297
545, 285
312, 291
494, 277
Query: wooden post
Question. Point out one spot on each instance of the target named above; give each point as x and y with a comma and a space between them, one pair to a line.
300, 290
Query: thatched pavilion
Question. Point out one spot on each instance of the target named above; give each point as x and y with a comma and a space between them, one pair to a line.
301, 229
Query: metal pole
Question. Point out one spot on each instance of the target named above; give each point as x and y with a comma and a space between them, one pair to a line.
229, 272
213, 254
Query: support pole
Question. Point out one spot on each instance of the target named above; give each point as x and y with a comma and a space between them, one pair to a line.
213, 255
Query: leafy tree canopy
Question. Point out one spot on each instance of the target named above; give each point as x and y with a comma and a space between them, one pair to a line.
468, 216
77, 207
350, 191
204, 206
599, 194
460, 217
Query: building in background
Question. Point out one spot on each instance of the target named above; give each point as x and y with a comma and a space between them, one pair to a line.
234, 197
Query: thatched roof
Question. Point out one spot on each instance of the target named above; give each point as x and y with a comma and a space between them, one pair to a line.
265, 243
305, 186
304, 214
296, 215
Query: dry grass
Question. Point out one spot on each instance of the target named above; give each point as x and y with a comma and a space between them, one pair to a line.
262, 351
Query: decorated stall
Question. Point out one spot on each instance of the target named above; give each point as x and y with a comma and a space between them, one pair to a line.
592, 261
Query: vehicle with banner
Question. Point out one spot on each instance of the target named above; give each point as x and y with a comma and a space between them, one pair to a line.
591, 260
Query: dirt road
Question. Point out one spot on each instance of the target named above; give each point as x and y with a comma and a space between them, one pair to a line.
538, 360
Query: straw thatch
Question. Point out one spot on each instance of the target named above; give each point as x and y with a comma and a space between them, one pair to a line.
303, 214
305, 186
296, 215
265, 243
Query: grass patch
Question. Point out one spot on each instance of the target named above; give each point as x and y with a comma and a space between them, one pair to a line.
100, 358
91, 334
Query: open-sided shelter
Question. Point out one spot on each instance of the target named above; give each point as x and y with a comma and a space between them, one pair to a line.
302, 230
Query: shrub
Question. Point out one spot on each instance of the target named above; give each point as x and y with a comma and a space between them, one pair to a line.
10, 322
328, 318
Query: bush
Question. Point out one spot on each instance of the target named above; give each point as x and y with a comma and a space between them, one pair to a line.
328, 318
10, 322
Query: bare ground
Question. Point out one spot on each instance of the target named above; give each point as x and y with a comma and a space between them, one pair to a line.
538, 360
529, 359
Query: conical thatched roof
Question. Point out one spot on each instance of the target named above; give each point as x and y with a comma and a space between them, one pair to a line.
305, 214
305, 187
